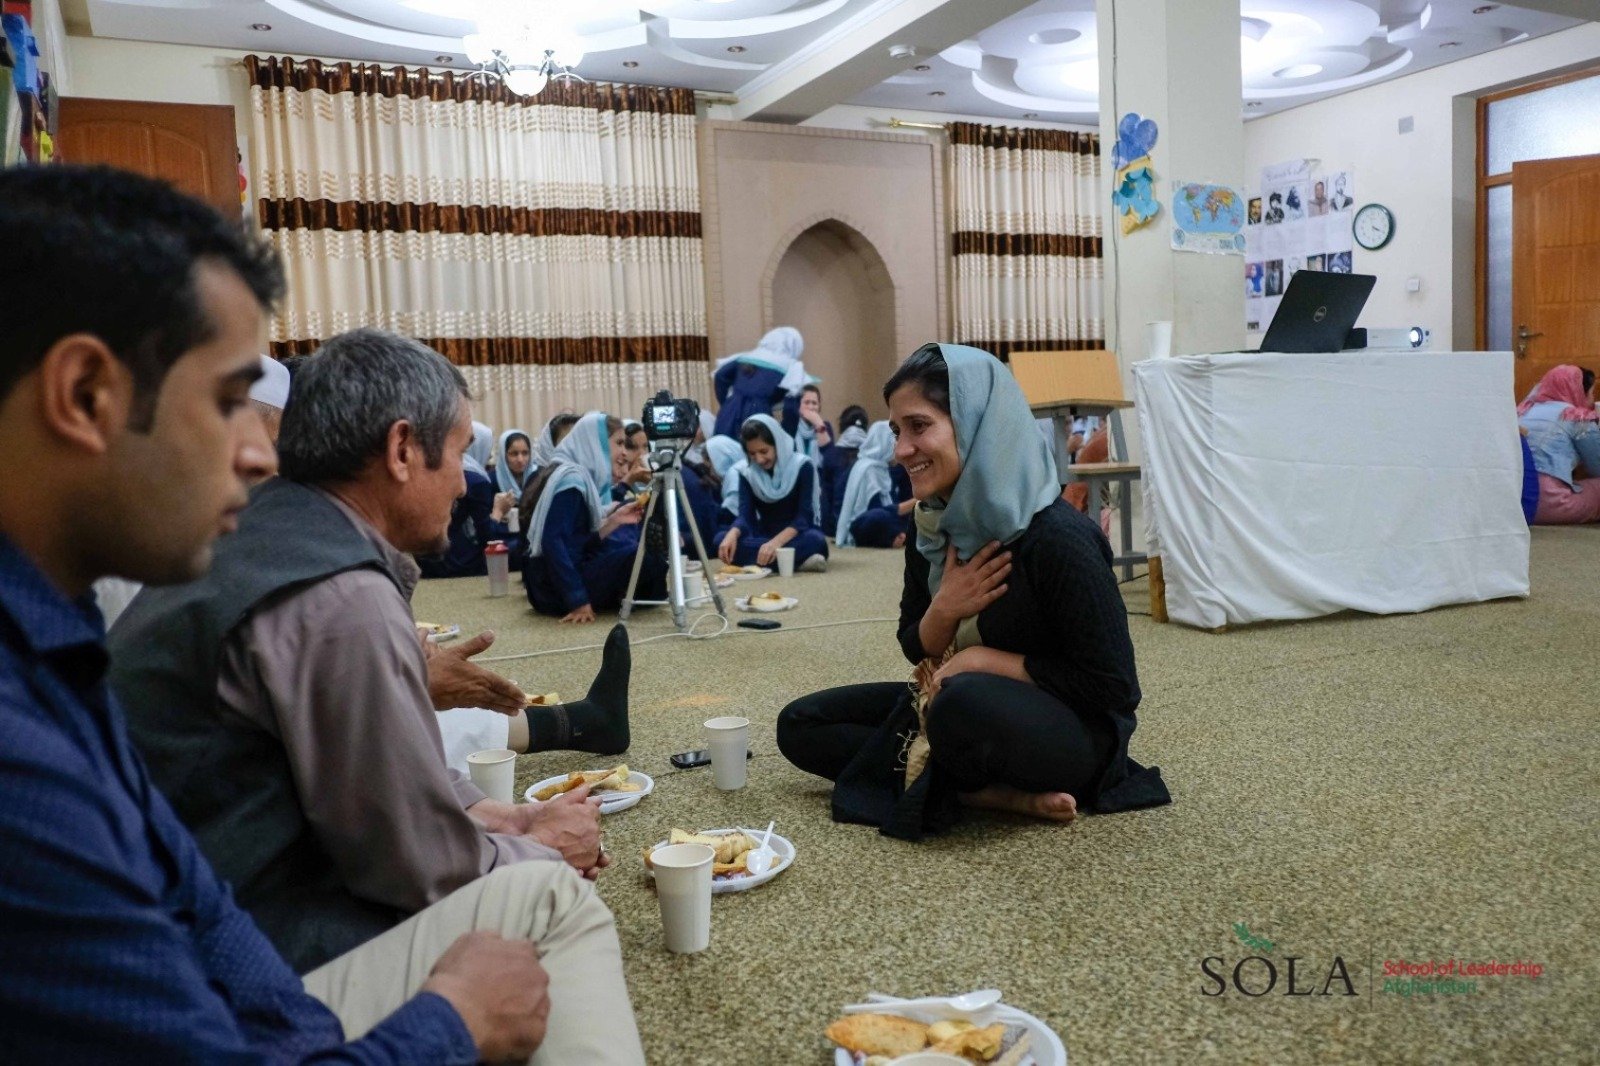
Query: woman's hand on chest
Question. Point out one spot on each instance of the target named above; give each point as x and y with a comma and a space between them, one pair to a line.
966, 589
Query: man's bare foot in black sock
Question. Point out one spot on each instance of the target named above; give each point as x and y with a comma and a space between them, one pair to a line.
599, 723
1052, 806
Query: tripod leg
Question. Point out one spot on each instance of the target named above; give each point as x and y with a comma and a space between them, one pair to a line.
638, 562
670, 487
700, 549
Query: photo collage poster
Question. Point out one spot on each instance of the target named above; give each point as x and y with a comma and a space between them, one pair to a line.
1300, 219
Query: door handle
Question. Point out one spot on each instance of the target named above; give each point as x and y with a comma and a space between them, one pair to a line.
1523, 337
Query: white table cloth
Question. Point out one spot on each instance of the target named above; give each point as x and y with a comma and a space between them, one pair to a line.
1291, 486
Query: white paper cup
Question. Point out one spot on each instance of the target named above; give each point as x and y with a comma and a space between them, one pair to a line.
683, 888
1157, 340
493, 771
694, 586
728, 739
786, 562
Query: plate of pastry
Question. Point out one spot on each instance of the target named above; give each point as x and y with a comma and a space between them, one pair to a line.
766, 601
745, 573
728, 873
438, 633
618, 788
998, 1036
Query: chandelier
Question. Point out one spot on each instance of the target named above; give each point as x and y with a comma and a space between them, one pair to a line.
524, 43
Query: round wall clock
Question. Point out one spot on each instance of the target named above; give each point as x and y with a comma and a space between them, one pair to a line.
1373, 226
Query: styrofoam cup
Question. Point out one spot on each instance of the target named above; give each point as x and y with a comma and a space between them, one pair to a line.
728, 739
694, 586
786, 562
493, 771
683, 888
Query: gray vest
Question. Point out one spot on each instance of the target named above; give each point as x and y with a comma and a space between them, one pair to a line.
228, 780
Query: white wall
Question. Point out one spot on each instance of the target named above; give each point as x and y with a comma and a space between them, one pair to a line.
1427, 178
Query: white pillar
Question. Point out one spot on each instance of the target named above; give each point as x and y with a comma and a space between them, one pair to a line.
1177, 62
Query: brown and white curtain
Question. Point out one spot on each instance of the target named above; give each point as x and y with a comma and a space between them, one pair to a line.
1025, 242
550, 247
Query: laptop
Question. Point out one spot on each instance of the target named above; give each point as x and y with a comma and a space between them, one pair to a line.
1317, 312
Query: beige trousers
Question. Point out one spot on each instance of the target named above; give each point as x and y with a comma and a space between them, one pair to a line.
591, 1020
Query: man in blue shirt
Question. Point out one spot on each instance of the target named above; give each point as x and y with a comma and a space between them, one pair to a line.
125, 367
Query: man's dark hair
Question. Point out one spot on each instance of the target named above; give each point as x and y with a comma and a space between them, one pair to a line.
854, 415
926, 370
561, 425
1588, 378
101, 251
349, 394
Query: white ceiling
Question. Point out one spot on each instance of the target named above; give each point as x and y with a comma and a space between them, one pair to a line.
791, 59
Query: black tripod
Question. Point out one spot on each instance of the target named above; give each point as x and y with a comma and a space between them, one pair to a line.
666, 483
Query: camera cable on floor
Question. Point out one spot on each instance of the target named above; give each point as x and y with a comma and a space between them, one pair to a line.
689, 634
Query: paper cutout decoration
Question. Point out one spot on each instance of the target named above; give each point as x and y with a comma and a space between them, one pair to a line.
1134, 195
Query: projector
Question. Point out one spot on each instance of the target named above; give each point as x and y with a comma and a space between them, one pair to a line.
1403, 337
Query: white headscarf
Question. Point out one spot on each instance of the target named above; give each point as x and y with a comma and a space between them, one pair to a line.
773, 486
477, 457
582, 461
779, 349
503, 477
272, 387
869, 479
544, 449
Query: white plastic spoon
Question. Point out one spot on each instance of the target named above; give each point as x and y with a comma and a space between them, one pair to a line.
762, 858
967, 1003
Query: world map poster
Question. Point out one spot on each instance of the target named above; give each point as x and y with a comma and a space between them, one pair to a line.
1207, 218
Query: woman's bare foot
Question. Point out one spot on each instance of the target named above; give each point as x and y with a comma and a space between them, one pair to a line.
1052, 806
899, 540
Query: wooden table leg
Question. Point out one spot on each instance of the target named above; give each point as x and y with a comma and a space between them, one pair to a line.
1158, 591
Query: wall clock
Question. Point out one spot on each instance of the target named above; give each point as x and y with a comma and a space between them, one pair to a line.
1373, 226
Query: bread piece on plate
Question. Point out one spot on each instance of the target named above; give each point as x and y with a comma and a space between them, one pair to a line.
974, 1045
878, 1034
1015, 1046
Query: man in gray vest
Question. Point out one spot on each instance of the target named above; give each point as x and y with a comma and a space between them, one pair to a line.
282, 701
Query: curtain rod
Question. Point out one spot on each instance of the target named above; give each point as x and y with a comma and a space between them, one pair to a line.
899, 124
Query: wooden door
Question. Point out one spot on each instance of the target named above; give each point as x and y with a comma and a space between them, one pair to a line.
190, 145
1555, 267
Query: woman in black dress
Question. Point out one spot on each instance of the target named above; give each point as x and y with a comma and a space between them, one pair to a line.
1024, 688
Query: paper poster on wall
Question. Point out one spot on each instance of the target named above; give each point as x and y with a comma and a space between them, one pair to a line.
1304, 217
1207, 218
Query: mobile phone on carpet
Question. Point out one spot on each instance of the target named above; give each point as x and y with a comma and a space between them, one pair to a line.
688, 760
760, 623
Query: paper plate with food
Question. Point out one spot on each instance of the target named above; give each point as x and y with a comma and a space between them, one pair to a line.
438, 633
766, 601
618, 788
728, 870
745, 573
996, 1036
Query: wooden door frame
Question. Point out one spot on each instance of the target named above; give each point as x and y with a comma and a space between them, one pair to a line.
1480, 281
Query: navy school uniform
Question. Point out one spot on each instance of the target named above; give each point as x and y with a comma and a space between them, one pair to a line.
759, 521
471, 530
744, 390
836, 464
879, 524
577, 567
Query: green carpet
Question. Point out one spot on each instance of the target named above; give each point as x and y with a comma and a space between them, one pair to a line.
1419, 787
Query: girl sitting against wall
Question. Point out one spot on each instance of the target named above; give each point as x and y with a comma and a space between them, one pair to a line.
837, 461
577, 564
876, 512
513, 468
1558, 417
777, 502
478, 517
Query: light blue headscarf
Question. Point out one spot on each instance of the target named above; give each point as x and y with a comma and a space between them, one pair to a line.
478, 452
1007, 474
730, 485
544, 449
869, 479
581, 461
775, 485
504, 479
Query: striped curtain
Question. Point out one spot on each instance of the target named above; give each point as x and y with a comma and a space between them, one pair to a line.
1026, 238
551, 249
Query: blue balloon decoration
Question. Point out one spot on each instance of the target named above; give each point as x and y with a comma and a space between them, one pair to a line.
1136, 135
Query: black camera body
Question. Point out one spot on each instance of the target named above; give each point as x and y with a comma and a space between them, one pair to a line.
668, 418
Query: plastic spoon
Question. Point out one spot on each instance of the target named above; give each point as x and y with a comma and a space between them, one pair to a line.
759, 860
967, 1003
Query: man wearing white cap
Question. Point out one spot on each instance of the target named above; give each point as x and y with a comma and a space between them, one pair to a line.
269, 396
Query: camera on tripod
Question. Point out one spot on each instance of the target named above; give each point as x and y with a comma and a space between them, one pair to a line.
668, 418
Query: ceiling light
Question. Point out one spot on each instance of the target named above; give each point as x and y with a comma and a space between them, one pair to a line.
630, 63
444, 59
1298, 70
1252, 103
736, 48
937, 92
902, 51
922, 67
524, 43
1030, 114
261, 26
1449, 44
1485, 9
